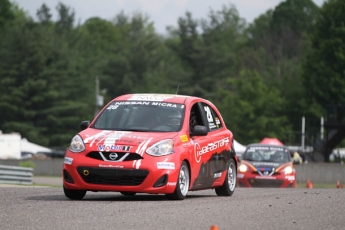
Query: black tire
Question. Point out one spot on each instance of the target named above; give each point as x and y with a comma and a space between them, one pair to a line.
128, 193
228, 188
74, 194
182, 185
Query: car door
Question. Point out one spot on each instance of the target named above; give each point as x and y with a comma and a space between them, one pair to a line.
209, 156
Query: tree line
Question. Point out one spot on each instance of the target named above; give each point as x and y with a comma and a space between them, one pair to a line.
263, 76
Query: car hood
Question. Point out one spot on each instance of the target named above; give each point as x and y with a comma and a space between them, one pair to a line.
107, 140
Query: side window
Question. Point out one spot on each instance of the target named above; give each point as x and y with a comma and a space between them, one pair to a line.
213, 118
195, 117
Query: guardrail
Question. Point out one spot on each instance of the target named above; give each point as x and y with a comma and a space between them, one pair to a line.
15, 175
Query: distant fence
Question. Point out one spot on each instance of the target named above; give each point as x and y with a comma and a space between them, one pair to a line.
43, 167
15, 175
320, 172
316, 172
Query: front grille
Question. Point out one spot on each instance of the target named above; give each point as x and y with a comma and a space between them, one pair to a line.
112, 176
121, 156
263, 183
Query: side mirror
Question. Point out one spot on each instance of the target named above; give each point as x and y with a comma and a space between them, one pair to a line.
84, 124
199, 130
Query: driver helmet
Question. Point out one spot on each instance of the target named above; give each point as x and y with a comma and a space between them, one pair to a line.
174, 119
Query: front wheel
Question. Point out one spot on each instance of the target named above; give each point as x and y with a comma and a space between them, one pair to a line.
228, 188
182, 184
74, 194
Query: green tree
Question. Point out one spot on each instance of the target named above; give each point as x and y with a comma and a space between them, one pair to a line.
324, 69
44, 15
278, 41
207, 49
252, 110
6, 13
139, 62
44, 94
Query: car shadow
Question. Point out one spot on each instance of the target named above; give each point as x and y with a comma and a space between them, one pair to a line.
114, 196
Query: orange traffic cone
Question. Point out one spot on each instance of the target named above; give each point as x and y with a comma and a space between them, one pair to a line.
309, 184
214, 227
338, 185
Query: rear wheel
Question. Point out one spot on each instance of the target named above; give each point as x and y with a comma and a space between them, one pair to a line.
228, 188
128, 193
74, 194
182, 184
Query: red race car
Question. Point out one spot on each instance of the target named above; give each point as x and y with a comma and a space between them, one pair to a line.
266, 166
152, 143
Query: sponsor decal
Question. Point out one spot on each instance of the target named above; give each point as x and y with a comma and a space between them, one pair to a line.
290, 177
110, 107
110, 166
184, 138
113, 148
164, 104
240, 175
150, 97
264, 169
148, 102
265, 177
68, 160
165, 165
131, 103
199, 151
208, 114
217, 175
265, 164
266, 148
212, 125
109, 147
171, 184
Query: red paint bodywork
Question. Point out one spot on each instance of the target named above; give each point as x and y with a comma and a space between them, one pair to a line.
252, 178
266, 170
185, 149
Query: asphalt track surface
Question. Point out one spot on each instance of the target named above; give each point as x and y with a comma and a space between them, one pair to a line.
45, 207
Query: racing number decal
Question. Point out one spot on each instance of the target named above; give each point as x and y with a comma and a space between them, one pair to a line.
208, 114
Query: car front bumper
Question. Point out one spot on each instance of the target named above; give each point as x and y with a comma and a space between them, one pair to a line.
150, 175
278, 181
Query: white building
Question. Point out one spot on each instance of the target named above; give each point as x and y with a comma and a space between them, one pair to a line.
12, 146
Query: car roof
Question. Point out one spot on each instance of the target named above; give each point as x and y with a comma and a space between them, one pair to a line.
172, 98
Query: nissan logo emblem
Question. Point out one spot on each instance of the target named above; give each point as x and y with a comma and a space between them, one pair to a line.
112, 156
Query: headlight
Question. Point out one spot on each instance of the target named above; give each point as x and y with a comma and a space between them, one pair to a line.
243, 168
161, 148
287, 170
77, 144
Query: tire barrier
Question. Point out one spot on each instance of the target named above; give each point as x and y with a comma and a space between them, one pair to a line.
15, 175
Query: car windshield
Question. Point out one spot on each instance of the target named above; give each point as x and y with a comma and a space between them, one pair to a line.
267, 154
142, 116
